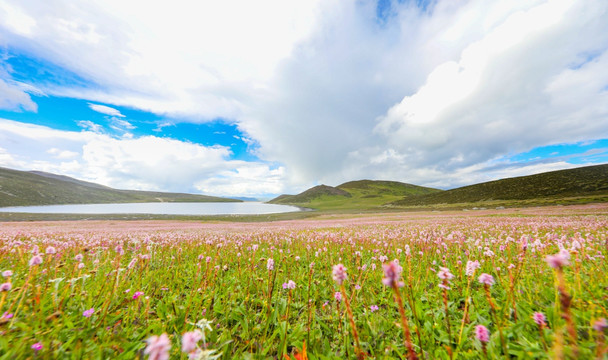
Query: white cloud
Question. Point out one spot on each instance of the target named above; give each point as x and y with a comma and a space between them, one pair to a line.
91, 126
508, 92
331, 92
145, 163
105, 110
62, 154
13, 97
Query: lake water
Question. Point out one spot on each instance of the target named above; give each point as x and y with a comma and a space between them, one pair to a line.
160, 208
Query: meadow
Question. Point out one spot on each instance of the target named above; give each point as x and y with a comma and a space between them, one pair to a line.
527, 284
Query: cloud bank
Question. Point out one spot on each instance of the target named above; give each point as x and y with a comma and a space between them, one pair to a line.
146, 163
443, 95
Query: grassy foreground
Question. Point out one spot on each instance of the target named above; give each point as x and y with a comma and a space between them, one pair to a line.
463, 286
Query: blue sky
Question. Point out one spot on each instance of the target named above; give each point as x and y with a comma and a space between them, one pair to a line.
206, 99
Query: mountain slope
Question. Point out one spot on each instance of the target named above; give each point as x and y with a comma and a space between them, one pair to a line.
578, 182
22, 188
362, 194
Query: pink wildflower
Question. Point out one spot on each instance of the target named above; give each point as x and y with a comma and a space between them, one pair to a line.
35, 260
37, 346
600, 325
270, 264
88, 313
7, 315
539, 318
482, 333
137, 294
443, 286
51, 250
7, 273
338, 296
373, 308
289, 285
78, 257
190, 341
392, 275
158, 347
339, 274
471, 267
445, 274
5, 287
558, 260
486, 279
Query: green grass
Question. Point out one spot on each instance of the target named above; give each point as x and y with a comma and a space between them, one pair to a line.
354, 195
20, 188
550, 187
219, 272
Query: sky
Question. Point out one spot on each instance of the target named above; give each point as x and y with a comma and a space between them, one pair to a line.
258, 98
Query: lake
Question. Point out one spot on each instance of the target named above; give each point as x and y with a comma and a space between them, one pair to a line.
160, 208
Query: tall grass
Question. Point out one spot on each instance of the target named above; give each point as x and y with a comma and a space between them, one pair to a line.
198, 293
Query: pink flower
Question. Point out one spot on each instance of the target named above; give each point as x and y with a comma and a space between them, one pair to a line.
392, 275
289, 285
158, 347
339, 274
190, 341
137, 295
270, 264
50, 250
7, 273
539, 318
35, 260
373, 308
78, 257
482, 333
558, 260
600, 324
445, 274
338, 296
5, 287
7, 315
486, 279
88, 313
471, 267
37, 346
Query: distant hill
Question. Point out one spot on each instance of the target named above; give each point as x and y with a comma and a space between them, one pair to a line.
362, 194
23, 188
570, 183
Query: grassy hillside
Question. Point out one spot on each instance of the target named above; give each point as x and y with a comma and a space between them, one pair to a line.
363, 194
22, 188
584, 182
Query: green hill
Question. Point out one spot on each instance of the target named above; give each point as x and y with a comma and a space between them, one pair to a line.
362, 194
23, 188
582, 184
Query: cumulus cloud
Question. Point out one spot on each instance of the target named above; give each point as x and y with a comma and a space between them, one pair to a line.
435, 96
145, 163
522, 85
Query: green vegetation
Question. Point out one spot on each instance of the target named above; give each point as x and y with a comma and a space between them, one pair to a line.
21, 188
354, 195
430, 287
580, 185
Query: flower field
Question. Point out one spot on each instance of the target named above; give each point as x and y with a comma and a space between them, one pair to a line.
418, 286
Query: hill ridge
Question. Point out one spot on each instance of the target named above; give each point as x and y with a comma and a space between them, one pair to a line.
575, 182
27, 188
360, 194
